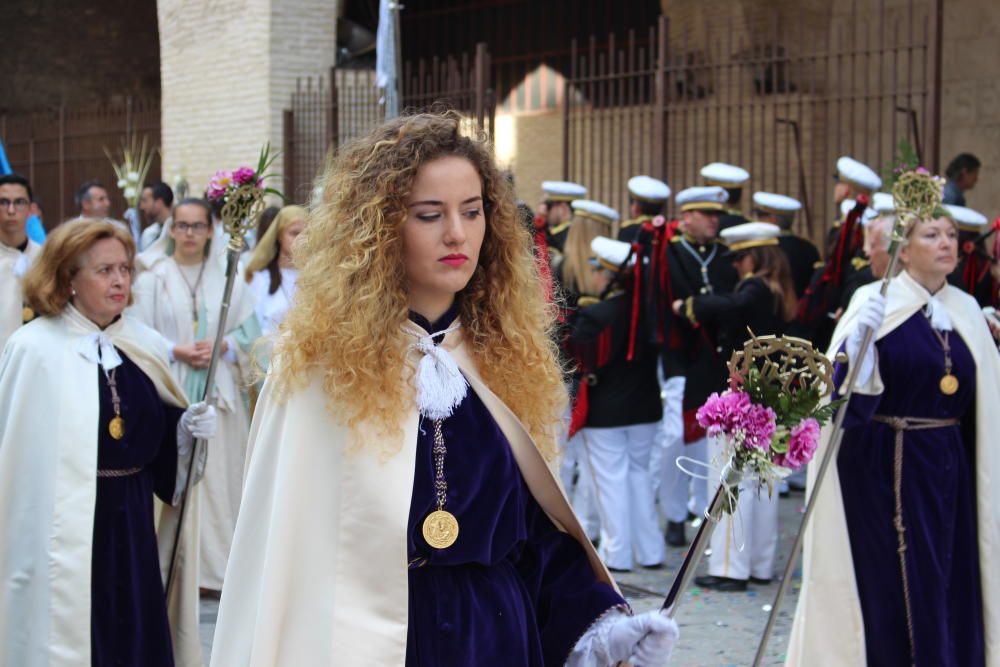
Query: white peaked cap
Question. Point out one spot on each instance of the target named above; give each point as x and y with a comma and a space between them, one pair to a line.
647, 188
883, 202
967, 219
563, 190
750, 235
775, 203
609, 253
858, 173
726, 175
594, 210
710, 197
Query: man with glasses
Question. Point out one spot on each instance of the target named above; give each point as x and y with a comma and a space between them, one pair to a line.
16, 253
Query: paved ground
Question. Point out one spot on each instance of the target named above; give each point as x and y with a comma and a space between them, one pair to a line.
717, 629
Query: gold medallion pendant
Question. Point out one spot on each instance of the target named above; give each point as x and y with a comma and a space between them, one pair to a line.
949, 384
27, 314
116, 427
440, 529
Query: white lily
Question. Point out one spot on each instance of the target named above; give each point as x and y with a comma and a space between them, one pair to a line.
129, 193
122, 183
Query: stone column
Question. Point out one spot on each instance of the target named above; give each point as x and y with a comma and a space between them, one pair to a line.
227, 73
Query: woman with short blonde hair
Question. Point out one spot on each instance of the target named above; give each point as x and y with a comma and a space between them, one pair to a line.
80, 467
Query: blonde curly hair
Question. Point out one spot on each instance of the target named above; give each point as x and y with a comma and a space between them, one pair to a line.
352, 293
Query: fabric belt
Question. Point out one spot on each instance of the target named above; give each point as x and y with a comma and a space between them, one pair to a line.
119, 472
901, 425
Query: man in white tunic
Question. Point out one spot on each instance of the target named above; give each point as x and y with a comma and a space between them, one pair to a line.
16, 253
179, 295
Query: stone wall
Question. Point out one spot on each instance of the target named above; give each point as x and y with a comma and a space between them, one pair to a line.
77, 52
228, 69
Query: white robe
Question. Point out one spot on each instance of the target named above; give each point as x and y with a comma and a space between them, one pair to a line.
49, 409
828, 630
271, 308
163, 301
318, 574
13, 265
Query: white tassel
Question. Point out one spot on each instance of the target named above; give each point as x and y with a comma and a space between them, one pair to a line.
441, 387
940, 319
97, 348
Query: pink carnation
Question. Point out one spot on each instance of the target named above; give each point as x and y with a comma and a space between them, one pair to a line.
801, 445
722, 413
244, 176
759, 424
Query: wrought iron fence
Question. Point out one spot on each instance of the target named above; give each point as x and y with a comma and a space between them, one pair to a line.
328, 112
59, 150
779, 102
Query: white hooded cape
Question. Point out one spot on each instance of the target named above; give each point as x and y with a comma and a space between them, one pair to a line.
49, 409
828, 630
318, 570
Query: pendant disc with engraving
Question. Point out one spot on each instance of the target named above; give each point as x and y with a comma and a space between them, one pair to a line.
440, 529
116, 427
949, 384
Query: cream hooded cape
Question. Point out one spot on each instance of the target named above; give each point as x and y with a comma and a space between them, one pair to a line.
318, 571
49, 411
13, 265
828, 630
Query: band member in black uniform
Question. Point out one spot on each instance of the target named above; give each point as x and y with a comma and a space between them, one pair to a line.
853, 178
647, 197
977, 271
802, 255
764, 302
557, 211
623, 411
732, 179
579, 287
692, 352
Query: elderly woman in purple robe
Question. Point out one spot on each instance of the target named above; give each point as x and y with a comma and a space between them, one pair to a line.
898, 563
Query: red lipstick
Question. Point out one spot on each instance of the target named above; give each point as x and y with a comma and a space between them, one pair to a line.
456, 259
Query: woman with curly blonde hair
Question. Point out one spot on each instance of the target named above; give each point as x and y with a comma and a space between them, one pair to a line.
390, 515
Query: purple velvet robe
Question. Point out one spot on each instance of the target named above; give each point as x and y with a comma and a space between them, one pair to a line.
513, 590
128, 612
938, 499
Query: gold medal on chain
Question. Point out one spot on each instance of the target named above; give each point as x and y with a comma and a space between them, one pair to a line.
440, 527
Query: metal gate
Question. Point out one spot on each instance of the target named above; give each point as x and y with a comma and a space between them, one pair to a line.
328, 112
781, 100
59, 150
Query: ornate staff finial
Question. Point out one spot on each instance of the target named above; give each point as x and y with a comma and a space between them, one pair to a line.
917, 194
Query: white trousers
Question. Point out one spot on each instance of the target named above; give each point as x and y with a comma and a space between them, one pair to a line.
580, 494
618, 459
679, 492
744, 544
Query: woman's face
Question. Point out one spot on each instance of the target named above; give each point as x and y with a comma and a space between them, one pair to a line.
932, 249
444, 229
191, 230
288, 235
103, 282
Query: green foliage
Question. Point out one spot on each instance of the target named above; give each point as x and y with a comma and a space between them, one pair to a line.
905, 159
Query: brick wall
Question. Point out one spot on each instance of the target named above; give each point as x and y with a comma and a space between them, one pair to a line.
227, 71
77, 51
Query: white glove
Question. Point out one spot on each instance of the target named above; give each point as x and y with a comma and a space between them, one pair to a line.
199, 421
645, 640
870, 316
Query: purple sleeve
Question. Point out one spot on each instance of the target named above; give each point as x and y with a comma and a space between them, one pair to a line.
567, 595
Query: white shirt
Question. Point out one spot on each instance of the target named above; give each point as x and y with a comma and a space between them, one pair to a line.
271, 308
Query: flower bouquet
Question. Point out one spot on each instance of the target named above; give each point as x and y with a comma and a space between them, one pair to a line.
770, 418
241, 193
132, 167
771, 415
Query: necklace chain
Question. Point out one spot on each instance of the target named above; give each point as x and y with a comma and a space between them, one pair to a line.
439, 451
702, 262
193, 291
